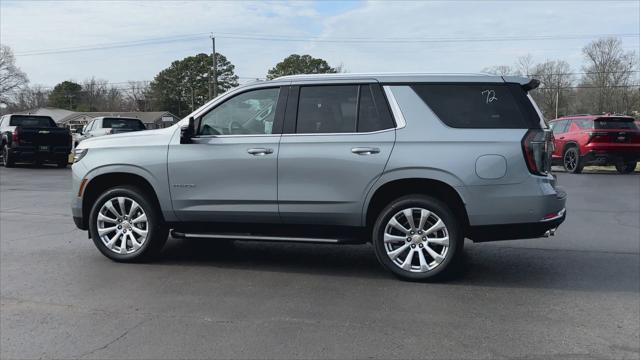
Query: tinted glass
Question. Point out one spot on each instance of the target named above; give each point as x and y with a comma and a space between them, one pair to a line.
252, 112
584, 124
626, 124
560, 127
475, 106
372, 115
31, 121
119, 123
327, 109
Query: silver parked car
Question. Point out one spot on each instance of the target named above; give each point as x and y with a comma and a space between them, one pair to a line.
411, 163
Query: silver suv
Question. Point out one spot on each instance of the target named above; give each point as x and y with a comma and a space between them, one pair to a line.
411, 163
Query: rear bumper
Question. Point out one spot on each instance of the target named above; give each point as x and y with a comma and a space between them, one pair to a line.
487, 233
605, 157
55, 153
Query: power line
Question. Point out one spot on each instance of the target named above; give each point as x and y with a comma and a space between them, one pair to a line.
354, 40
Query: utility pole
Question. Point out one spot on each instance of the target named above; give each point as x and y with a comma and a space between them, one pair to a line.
213, 88
557, 96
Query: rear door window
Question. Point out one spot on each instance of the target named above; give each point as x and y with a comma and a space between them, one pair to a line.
482, 106
584, 124
327, 109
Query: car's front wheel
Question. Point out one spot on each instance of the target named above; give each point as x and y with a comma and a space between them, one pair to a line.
126, 226
417, 237
626, 167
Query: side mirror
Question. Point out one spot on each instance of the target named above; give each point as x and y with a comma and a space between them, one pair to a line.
79, 131
187, 132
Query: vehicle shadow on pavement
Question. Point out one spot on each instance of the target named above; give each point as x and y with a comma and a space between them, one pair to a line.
487, 266
325, 259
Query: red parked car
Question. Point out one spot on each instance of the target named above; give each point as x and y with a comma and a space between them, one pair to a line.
582, 140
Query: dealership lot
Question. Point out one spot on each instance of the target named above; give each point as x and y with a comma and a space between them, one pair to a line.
574, 295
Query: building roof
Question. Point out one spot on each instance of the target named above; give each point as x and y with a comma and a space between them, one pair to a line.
56, 114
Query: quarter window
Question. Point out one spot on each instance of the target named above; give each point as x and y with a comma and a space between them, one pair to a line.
373, 112
327, 109
252, 112
482, 106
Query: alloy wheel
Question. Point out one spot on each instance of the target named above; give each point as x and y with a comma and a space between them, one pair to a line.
570, 160
416, 240
122, 225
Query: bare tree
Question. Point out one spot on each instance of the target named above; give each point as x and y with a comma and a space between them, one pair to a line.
94, 93
524, 65
554, 92
12, 79
501, 70
114, 100
607, 82
31, 97
138, 96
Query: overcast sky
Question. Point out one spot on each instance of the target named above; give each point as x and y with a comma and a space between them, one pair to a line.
425, 36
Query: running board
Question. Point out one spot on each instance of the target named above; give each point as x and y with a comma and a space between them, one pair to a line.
250, 237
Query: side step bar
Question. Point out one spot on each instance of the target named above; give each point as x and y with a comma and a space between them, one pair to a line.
250, 237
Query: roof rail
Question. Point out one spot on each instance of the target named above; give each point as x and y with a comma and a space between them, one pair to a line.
329, 75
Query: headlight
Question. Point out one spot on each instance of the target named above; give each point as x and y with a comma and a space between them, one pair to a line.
78, 154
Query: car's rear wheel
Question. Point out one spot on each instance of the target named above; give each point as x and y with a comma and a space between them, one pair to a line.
571, 160
417, 237
7, 158
626, 167
126, 225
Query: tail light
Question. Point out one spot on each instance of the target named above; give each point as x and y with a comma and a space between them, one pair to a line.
537, 146
15, 137
598, 136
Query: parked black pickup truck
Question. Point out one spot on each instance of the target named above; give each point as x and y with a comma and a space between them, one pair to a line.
33, 138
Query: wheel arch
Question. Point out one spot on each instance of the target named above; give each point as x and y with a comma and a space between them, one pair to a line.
569, 144
394, 188
99, 183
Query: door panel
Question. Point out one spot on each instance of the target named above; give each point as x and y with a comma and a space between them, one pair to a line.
218, 179
323, 179
229, 172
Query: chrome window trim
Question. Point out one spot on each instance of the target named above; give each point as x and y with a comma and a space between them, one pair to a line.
235, 136
395, 108
342, 133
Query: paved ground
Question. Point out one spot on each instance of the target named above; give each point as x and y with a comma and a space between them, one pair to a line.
576, 295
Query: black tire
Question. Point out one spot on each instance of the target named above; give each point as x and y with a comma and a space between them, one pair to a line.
626, 167
157, 229
7, 159
571, 160
453, 225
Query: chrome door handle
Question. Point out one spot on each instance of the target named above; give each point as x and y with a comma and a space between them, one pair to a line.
259, 151
365, 150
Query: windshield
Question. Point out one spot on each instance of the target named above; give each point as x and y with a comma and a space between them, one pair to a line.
615, 124
31, 121
118, 123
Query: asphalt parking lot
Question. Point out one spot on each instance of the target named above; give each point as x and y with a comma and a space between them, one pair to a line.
575, 295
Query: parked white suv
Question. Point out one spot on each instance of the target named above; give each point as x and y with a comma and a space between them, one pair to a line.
107, 125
